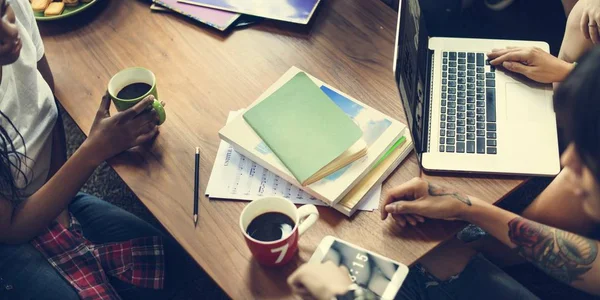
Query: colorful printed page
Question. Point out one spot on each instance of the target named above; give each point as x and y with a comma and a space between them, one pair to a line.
218, 19
295, 11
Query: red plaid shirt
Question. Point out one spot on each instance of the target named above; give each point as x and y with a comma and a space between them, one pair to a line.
85, 266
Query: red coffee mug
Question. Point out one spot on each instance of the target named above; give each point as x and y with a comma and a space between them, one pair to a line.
280, 252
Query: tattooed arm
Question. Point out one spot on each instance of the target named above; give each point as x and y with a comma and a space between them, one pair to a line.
566, 256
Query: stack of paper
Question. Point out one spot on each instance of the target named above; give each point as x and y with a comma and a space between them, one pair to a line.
236, 177
345, 189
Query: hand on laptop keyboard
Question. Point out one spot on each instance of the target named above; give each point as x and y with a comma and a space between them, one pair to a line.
532, 62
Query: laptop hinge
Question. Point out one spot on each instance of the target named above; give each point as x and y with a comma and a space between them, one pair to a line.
428, 91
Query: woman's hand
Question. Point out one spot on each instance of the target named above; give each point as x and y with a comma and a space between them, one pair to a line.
319, 281
590, 20
111, 135
535, 63
419, 197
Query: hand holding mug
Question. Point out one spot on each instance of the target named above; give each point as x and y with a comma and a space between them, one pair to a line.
111, 135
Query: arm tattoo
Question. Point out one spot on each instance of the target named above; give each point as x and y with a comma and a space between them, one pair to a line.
436, 190
562, 255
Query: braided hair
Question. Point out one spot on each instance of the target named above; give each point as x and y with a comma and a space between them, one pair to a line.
11, 162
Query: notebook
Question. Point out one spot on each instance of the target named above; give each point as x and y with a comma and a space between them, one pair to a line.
382, 170
215, 18
309, 133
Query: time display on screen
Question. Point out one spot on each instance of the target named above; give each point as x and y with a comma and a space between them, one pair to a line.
365, 269
358, 265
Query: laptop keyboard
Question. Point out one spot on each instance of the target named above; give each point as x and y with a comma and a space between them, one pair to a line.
468, 106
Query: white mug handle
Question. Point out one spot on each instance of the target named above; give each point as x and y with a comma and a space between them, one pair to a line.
307, 216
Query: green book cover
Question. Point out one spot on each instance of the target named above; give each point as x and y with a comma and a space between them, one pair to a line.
303, 127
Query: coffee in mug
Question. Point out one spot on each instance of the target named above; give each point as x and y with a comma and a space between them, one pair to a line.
132, 85
272, 227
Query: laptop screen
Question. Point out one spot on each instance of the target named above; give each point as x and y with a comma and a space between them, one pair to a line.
411, 69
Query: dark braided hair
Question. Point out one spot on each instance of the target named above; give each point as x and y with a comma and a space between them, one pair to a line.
11, 163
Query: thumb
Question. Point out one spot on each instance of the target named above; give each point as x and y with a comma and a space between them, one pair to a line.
515, 67
104, 108
403, 207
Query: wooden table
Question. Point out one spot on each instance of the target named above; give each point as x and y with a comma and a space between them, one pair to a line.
203, 75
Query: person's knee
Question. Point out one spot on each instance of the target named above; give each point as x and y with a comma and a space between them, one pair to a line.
574, 18
448, 259
83, 201
568, 6
26, 274
574, 43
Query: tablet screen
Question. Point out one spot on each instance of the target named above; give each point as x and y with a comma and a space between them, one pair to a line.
367, 270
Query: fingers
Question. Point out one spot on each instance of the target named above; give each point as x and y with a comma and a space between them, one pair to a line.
419, 218
404, 208
344, 269
147, 116
411, 220
585, 22
293, 278
593, 32
499, 52
400, 220
104, 108
404, 191
138, 108
517, 56
516, 67
404, 220
298, 280
146, 137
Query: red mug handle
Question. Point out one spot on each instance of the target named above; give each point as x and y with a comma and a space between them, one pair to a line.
307, 216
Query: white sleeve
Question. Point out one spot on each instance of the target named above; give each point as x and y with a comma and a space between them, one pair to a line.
30, 25
36, 38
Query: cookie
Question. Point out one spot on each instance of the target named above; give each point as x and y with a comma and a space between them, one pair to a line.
40, 5
54, 9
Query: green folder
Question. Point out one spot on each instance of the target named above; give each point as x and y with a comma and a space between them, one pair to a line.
303, 126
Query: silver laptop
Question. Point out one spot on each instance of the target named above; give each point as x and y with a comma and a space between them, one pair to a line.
465, 115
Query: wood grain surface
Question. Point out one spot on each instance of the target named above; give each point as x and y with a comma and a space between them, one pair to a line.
202, 75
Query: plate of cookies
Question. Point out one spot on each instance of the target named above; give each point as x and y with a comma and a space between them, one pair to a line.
48, 10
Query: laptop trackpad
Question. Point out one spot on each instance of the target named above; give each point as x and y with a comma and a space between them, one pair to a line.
522, 101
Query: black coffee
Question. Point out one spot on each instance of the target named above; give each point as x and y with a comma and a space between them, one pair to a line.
134, 90
270, 227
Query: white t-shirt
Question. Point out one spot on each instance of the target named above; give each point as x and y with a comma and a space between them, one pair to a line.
27, 100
